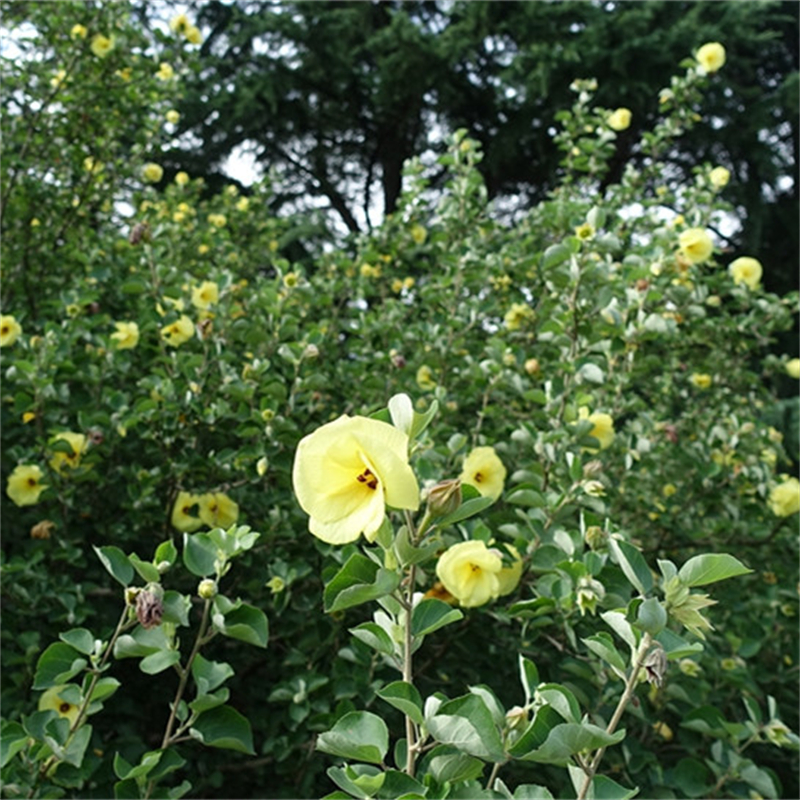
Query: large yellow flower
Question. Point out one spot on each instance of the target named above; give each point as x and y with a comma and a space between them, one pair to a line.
10, 330
484, 470
126, 336
217, 510
23, 485
61, 460
346, 473
746, 270
508, 577
793, 367
719, 177
620, 119
182, 517
784, 499
470, 572
178, 332
51, 700
603, 429
205, 295
696, 245
711, 56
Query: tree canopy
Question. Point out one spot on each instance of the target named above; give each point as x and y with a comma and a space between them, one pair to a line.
334, 97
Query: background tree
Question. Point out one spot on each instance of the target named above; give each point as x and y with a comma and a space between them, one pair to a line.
333, 97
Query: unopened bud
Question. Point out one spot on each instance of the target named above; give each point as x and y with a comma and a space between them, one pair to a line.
131, 593
592, 468
595, 537
163, 566
311, 351
444, 498
655, 666
532, 366
139, 233
516, 717
43, 529
149, 607
207, 589
398, 359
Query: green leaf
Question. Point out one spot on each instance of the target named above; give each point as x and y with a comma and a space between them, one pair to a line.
676, 647
710, 568
602, 644
360, 580
448, 764
126, 790
79, 638
77, 744
199, 554
529, 677
621, 626
159, 661
632, 563
357, 736
569, 738
404, 696
536, 733
57, 665
176, 608
601, 787
104, 688
408, 553
13, 738
692, 777
467, 723
530, 791
554, 255
146, 570
142, 642
356, 783
169, 762
166, 551
421, 421
651, 616
431, 614
204, 702
116, 562
467, 509
561, 699
245, 623
226, 728
374, 636
208, 675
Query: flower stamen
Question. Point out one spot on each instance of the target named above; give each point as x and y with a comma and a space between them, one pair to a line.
367, 477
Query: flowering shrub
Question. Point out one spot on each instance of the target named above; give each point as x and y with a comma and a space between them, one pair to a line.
493, 466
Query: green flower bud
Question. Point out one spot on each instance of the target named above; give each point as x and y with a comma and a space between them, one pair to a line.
444, 498
595, 537
207, 589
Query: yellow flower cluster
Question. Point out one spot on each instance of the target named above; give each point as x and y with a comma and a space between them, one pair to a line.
180, 24
217, 220
214, 509
165, 72
518, 315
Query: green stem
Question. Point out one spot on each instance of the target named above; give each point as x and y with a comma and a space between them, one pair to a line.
408, 673
630, 686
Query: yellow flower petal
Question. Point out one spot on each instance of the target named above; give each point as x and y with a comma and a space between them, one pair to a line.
484, 470
470, 572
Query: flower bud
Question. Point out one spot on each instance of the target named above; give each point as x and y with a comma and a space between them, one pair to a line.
207, 589
444, 498
516, 717
43, 529
150, 606
595, 537
592, 468
655, 665
131, 593
311, 351
163, 566
532, 366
